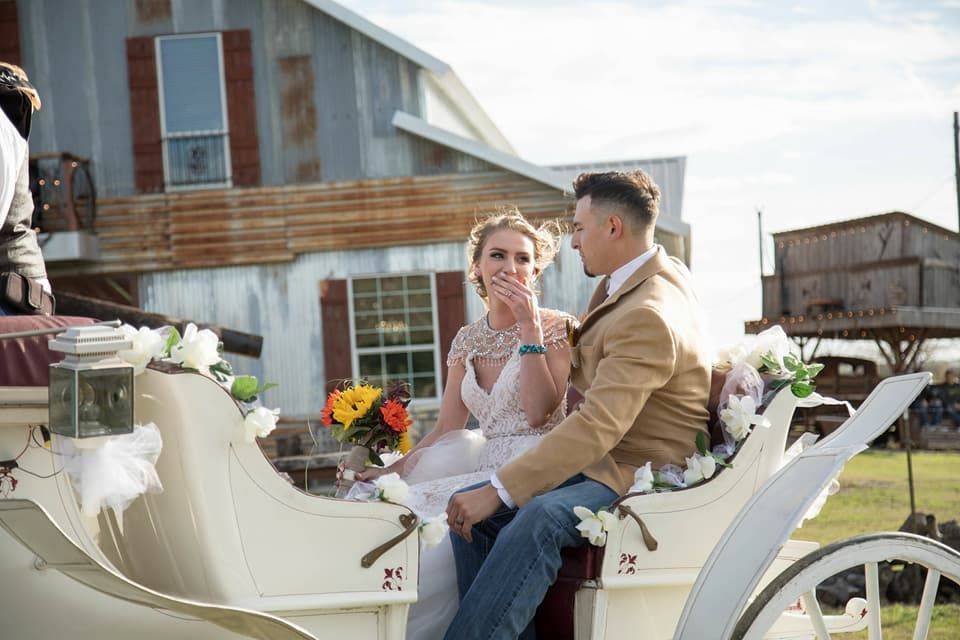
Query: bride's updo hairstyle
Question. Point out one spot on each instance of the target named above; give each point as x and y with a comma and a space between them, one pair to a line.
546, 240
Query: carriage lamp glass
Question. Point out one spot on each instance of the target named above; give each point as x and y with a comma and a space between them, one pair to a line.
91, 390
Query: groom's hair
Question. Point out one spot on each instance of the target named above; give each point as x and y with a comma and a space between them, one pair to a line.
634, 192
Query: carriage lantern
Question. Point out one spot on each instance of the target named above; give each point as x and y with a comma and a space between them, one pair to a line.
91, 390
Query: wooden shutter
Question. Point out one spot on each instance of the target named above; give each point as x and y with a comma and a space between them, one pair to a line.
335, 318
451, 311
241, 107
145, 114
9, 32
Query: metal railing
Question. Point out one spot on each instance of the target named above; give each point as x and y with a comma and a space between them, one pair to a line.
197, 160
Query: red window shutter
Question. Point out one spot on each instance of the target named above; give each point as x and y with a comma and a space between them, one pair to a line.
451, 311
241, 107
9, 32
334, 315
145, 114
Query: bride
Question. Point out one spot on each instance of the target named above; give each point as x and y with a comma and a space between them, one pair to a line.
509, 370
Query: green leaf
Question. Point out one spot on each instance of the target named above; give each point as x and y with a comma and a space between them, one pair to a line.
244, 388
791, 363
802, 389
376, 459
702, 442
814, 369
267, 386
770, 362
173, 339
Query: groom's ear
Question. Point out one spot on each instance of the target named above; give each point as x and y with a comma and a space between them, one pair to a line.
615, 227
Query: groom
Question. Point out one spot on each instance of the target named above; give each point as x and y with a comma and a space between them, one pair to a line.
642, 363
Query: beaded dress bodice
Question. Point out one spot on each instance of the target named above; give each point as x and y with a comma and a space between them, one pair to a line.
497, 410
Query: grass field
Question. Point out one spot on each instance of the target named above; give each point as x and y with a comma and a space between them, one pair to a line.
874, 496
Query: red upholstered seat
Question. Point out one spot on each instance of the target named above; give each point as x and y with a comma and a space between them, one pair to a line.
24, 362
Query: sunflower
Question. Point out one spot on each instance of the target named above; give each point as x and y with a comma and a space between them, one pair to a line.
404, 444
395, 416
354, 403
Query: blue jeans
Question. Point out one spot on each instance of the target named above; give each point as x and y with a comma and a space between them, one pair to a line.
514, 558
4, 311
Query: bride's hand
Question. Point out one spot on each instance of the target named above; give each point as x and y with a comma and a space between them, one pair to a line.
520, 298
372, 473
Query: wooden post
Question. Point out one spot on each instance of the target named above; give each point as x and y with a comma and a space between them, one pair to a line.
956, 158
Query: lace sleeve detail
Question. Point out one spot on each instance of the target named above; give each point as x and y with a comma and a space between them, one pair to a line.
555, 327
458, 348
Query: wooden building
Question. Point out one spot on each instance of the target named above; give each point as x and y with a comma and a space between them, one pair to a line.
285, 168
891, 278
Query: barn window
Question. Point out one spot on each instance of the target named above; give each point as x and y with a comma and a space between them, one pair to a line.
193, 113
394, 331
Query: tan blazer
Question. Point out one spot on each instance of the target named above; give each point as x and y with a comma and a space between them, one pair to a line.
642, 363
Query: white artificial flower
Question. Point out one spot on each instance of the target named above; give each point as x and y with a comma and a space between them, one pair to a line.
732, 355
259, 423
594, 527
434, 530
773, 342
740, 416
643, 479
392, 488
699, 468
147, 345
197, 349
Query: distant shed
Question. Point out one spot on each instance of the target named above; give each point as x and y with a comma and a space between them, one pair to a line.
892, 278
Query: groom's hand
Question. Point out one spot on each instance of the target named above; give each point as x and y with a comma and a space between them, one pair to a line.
470, 507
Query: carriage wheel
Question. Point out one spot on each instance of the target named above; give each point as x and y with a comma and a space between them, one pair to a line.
799, 582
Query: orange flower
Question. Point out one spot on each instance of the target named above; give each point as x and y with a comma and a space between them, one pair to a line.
395, 416
326, 416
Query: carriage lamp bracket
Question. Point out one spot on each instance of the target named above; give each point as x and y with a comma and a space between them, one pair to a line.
648, 540
409, 522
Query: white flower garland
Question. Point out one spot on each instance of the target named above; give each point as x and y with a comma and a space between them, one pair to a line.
200, 350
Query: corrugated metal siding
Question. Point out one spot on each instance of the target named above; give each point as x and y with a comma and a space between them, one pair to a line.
282, 303
273, 224
668, 173
75, 52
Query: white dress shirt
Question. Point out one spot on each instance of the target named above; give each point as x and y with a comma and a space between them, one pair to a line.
616, 280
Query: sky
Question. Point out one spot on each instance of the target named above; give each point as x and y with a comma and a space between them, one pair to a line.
811, 111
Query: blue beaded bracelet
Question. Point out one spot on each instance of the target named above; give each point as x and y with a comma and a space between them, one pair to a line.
532, 348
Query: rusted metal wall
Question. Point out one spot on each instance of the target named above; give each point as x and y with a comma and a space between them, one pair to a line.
324, 93
274, 224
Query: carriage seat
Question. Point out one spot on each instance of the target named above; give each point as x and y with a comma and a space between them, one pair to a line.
25, 362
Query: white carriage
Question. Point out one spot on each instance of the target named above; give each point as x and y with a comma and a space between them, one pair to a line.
231, 549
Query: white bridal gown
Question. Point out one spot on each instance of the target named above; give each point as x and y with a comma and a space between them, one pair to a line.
465, 457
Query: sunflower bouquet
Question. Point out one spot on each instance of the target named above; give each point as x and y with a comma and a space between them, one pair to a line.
372, 420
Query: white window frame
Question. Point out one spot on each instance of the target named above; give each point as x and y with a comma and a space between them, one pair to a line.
224, 131
355, 352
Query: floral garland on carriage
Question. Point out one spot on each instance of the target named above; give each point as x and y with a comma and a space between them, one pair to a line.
755, 372
123, 468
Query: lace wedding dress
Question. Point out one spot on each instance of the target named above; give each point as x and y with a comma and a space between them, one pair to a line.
464, 457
